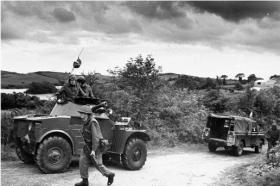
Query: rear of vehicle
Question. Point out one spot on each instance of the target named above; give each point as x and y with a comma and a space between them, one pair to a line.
233, 132
219, 132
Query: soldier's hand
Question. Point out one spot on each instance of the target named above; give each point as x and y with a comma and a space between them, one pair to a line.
92, 153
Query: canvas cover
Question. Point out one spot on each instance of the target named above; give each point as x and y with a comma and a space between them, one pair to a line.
242, 126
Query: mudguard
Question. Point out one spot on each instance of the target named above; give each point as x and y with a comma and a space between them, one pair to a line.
120, 138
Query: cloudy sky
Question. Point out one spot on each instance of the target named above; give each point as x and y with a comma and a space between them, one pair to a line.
195, 38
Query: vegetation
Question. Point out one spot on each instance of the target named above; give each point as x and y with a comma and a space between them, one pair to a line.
41, 88
171, 110
263, 171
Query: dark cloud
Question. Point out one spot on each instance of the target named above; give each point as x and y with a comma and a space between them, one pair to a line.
157, 10
179, 22
9, 34
63, 15
238, 10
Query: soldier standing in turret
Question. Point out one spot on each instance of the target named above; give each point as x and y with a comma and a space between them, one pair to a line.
70, 90
92, 151
84, 90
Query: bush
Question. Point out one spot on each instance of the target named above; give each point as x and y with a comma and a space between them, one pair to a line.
215, 101
238, 86
209, 84
189, 82
41, 88
8, 101
19, 100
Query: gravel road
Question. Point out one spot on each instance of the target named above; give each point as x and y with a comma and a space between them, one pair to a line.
167, 167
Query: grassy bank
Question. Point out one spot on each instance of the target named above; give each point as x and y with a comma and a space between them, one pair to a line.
262, 171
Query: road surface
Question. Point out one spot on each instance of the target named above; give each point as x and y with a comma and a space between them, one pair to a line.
171, 167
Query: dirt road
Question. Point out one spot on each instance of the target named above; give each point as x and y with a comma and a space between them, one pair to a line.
163, 168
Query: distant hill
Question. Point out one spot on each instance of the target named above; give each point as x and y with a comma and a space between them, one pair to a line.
18, 80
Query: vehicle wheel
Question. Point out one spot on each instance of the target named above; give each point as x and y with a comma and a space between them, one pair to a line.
212, 147
54, 155
135, 154
258, 149
238, 150
24, 156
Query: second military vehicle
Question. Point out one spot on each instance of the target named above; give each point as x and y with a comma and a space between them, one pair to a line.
53, 140
233, 133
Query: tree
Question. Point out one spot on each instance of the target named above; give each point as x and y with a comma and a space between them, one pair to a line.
209, 84
185, 81
252, 78
215, 101
238, 86
239, 76
275, 76
218, 80
41, 88
139, 75
224, 77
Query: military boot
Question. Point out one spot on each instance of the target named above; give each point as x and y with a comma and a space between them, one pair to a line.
84, 182
110, 179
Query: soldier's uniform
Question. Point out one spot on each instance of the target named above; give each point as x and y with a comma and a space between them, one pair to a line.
272, 137
85, 91
69, 91
92, 134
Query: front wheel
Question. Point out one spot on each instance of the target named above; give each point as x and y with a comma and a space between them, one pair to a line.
135, 154
54, 155
238, 150
258, 149
212, 147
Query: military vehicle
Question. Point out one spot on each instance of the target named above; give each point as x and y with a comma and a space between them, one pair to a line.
53, 141
233, 133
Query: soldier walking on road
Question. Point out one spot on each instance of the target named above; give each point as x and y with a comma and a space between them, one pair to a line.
272, 137
92, 151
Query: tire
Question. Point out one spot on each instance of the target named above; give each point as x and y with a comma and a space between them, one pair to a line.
135, 154
258, 149
24, 156
54, 155
238, 150
212, 147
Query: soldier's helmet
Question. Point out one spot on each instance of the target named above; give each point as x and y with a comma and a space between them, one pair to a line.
85, 109
99, 109
72, 77
81, 79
